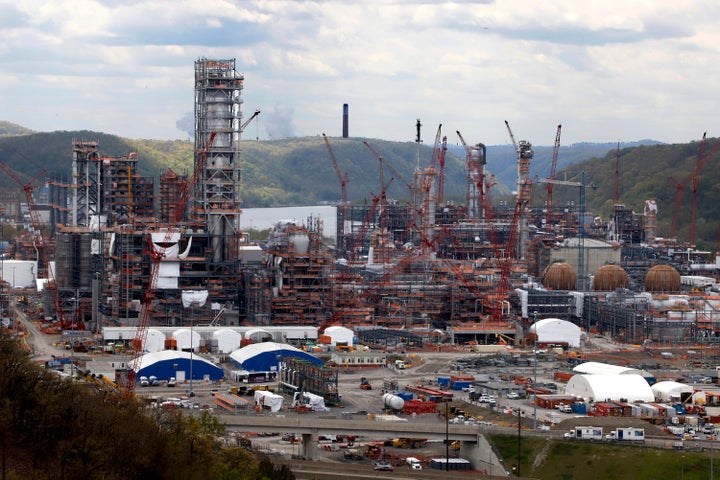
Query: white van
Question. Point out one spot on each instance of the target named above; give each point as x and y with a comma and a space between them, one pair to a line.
413, 463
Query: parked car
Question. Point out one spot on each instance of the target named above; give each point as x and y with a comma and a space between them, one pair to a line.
512, 395
383, 466
172, 382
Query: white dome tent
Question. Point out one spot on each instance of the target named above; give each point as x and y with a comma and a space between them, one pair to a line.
227, 340
616, 388
557, 331
340, 335
669, 391
155, 341
185, 338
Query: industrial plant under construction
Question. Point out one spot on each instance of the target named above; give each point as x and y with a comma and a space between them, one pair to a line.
425, 271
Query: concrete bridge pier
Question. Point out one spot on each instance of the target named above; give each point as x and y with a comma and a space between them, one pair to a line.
310, 446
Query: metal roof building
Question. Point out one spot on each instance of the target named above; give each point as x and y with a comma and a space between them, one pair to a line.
171, 363
265, 357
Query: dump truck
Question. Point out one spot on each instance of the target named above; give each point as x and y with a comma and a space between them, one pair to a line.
585, 433
408, 442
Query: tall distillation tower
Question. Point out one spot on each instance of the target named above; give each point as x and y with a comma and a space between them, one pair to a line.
218, 119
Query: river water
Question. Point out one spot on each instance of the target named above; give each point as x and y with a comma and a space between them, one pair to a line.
264, 218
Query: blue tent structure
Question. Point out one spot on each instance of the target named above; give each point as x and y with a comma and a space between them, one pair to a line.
264, 357
167, 363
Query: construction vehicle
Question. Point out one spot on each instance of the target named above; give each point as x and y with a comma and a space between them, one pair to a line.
353, 454
408, 442
365, 384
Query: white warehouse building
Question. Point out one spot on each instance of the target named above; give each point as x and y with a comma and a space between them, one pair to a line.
600, 388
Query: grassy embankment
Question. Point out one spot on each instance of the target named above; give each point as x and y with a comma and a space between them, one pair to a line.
561, 460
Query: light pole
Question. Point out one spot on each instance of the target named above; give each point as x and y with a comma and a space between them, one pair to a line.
519, 445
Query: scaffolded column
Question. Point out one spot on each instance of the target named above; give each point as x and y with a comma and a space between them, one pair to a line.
86, 183
216, 197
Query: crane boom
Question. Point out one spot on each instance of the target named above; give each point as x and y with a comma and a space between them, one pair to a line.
342, 178
192, 183
553, 166
247, 122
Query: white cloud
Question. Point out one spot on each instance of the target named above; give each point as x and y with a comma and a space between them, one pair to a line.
605, 70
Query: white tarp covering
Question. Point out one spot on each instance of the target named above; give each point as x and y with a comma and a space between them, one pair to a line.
315, 402
168, 273
194, 297
172, 248
268, 399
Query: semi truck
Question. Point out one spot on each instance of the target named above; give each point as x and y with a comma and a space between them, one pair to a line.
627, 434
585, 433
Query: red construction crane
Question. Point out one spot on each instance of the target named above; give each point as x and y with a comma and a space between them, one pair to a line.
385, 163
193, 181
34, 214
553, 166
342, 177
127, 380
477, 183
438, 158
695, 179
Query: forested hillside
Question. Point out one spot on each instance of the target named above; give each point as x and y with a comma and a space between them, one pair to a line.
299, 171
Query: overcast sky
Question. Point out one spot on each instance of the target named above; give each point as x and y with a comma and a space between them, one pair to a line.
606, 70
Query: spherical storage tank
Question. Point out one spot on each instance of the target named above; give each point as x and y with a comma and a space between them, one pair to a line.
662, 278
610, 277
559, 276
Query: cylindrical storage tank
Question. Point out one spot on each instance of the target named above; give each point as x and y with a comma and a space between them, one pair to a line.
610, 277
559, 276
393, 402
662, 278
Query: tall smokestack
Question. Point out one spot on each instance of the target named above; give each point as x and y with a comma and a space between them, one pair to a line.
345, 120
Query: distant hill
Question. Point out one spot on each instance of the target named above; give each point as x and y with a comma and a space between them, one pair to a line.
299, 171
8, 129
501, 158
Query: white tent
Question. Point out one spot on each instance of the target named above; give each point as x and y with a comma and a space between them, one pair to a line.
598, 368
600, 388
155, 341
186, 337
669, 391
268, 399
340, 335
555, 330
227, 340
